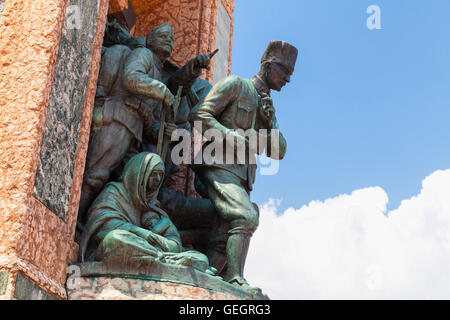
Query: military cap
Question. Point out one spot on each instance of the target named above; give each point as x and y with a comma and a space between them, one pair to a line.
281, 52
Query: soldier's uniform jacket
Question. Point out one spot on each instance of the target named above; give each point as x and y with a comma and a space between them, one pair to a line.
142, 77
119, 78
111, 94
235, 103
132, 82
148, 79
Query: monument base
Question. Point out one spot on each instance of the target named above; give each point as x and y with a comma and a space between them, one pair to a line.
98, 281
102, 288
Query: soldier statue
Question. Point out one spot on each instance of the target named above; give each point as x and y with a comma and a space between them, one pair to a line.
237, 103
130, 88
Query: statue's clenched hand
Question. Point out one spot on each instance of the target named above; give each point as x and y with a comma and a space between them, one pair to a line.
268, 111
202, 61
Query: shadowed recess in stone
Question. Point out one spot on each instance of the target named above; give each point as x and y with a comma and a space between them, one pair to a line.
3, 280
65, 109
27, 290
223, 32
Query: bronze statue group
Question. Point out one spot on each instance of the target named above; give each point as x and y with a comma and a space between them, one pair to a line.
127, 211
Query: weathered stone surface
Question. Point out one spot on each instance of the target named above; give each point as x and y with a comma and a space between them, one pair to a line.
3, 281
117, 5
229, 6
184, 16
27, 290
158, 273
65, 111
105, 288
141, 6
2, 4
29, 39
223, 34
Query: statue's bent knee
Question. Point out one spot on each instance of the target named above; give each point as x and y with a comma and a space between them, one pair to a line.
247, 224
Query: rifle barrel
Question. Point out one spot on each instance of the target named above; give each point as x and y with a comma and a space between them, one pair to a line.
212, 54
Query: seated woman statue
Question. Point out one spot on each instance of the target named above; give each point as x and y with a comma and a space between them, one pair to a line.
127, 227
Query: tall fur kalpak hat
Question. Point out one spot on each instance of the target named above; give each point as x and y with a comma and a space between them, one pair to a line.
281, 52
162, 27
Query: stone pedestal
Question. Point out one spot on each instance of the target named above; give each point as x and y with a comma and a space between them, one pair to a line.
104, 288
159, 281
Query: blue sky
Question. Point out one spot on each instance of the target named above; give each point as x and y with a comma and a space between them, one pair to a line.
364, 107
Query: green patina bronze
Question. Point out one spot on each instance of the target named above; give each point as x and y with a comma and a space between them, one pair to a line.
236, 103
136, 226
135, 82
125, 222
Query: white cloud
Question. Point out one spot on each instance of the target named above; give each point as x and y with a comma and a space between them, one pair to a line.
349, 248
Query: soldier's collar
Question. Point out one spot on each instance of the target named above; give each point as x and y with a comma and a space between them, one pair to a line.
260, 85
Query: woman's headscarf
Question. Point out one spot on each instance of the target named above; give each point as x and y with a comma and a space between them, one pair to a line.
137, 177
123, 201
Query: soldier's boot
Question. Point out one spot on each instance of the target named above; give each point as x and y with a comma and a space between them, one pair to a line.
237, 249
217, 250
217, 260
